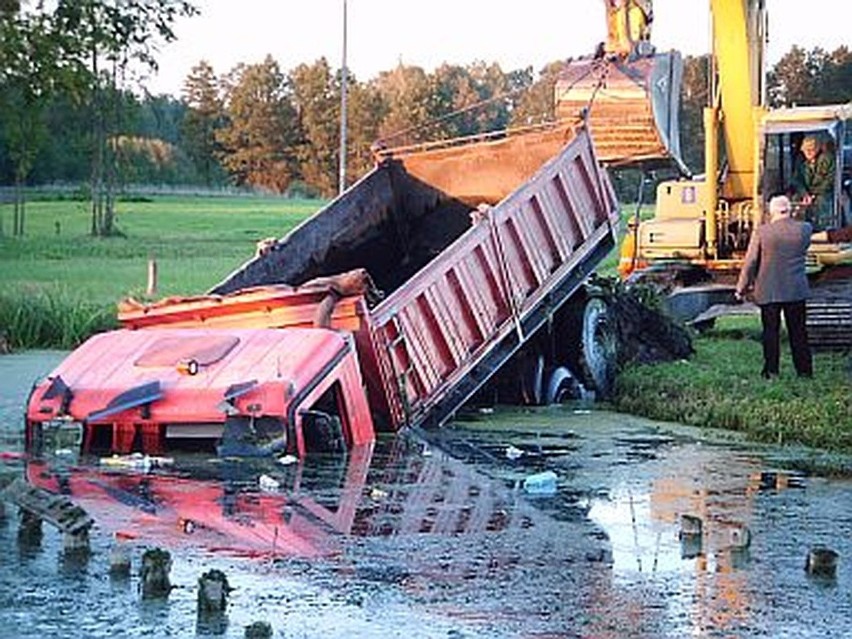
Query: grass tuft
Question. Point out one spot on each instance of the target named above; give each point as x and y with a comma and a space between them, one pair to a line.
51, 318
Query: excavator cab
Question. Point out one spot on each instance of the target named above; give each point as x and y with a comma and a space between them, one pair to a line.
820, 190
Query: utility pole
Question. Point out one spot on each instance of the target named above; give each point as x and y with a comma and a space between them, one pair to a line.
344, 81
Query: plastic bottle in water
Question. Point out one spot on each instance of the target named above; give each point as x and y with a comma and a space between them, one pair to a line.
541, 483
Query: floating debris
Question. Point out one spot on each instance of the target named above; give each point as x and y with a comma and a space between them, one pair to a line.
543, 483
287, 460
377, 494
268, 484
137, 461
513, 453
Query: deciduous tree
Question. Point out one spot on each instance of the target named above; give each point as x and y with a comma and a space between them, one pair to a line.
29, 70
260, 139
316, 97
407, 94
537, 103
106, 41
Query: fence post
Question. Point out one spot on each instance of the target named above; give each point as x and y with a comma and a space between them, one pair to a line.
152, 277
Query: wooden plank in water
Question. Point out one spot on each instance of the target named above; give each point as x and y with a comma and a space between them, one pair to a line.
56, 510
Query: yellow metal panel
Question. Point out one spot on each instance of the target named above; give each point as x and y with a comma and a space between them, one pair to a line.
738, 50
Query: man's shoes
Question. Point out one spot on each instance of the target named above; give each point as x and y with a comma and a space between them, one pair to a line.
768, 375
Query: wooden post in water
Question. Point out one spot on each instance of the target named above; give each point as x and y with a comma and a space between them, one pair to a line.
119, 561
152, 277
76, 541
29, 528
213, 592
154, 574
822, 562
259, 630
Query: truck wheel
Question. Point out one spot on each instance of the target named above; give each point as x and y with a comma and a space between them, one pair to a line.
598, 347
561, 386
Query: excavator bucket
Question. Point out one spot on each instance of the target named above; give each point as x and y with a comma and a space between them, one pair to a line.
631, 104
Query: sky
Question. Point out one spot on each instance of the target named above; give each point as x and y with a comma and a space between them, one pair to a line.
382, 33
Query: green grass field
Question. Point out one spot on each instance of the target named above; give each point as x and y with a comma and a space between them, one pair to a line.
720, 387
58, 284
196, 241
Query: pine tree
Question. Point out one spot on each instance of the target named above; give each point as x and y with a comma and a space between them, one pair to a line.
204, 117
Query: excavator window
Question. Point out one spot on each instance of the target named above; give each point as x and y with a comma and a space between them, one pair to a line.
810, 185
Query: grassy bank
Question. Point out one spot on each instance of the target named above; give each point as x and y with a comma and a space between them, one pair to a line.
721, 387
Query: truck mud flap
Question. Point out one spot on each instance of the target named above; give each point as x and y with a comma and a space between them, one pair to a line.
632, 106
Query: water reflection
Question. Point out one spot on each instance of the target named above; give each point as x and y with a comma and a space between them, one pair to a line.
217, 504
263, 508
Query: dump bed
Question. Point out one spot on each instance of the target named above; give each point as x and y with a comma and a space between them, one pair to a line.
457, 321
464, 287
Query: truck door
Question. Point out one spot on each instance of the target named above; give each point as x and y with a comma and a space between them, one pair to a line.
333, 415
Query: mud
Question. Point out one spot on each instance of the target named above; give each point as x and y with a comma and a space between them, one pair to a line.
432, 535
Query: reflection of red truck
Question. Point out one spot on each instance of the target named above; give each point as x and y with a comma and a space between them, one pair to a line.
269, 359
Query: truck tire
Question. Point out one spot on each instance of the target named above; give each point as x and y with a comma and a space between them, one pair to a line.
561, 386
598, 352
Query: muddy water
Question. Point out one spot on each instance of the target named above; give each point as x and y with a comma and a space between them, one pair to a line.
433, 535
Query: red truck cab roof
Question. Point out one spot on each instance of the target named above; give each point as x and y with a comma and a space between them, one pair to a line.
187, 382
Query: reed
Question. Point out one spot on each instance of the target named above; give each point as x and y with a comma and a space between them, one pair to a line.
51, 318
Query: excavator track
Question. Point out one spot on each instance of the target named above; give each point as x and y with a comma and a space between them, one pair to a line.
829, 316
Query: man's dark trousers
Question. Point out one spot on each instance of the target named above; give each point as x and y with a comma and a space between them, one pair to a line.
794, 318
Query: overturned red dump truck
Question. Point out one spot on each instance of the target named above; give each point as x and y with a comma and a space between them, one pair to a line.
391, 306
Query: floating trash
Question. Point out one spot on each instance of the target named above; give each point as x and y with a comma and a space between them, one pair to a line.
268, 484
541, 483
513, 453
136, 461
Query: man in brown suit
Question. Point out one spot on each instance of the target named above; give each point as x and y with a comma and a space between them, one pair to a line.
775, 265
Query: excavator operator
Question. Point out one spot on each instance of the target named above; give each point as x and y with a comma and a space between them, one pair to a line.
628, 26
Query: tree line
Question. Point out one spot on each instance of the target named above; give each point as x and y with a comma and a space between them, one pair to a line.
74, 112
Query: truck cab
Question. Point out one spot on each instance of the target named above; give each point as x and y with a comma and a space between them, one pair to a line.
246, 391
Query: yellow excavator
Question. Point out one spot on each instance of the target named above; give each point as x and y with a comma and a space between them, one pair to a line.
751, 154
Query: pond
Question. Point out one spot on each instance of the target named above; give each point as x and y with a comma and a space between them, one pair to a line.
648, 530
